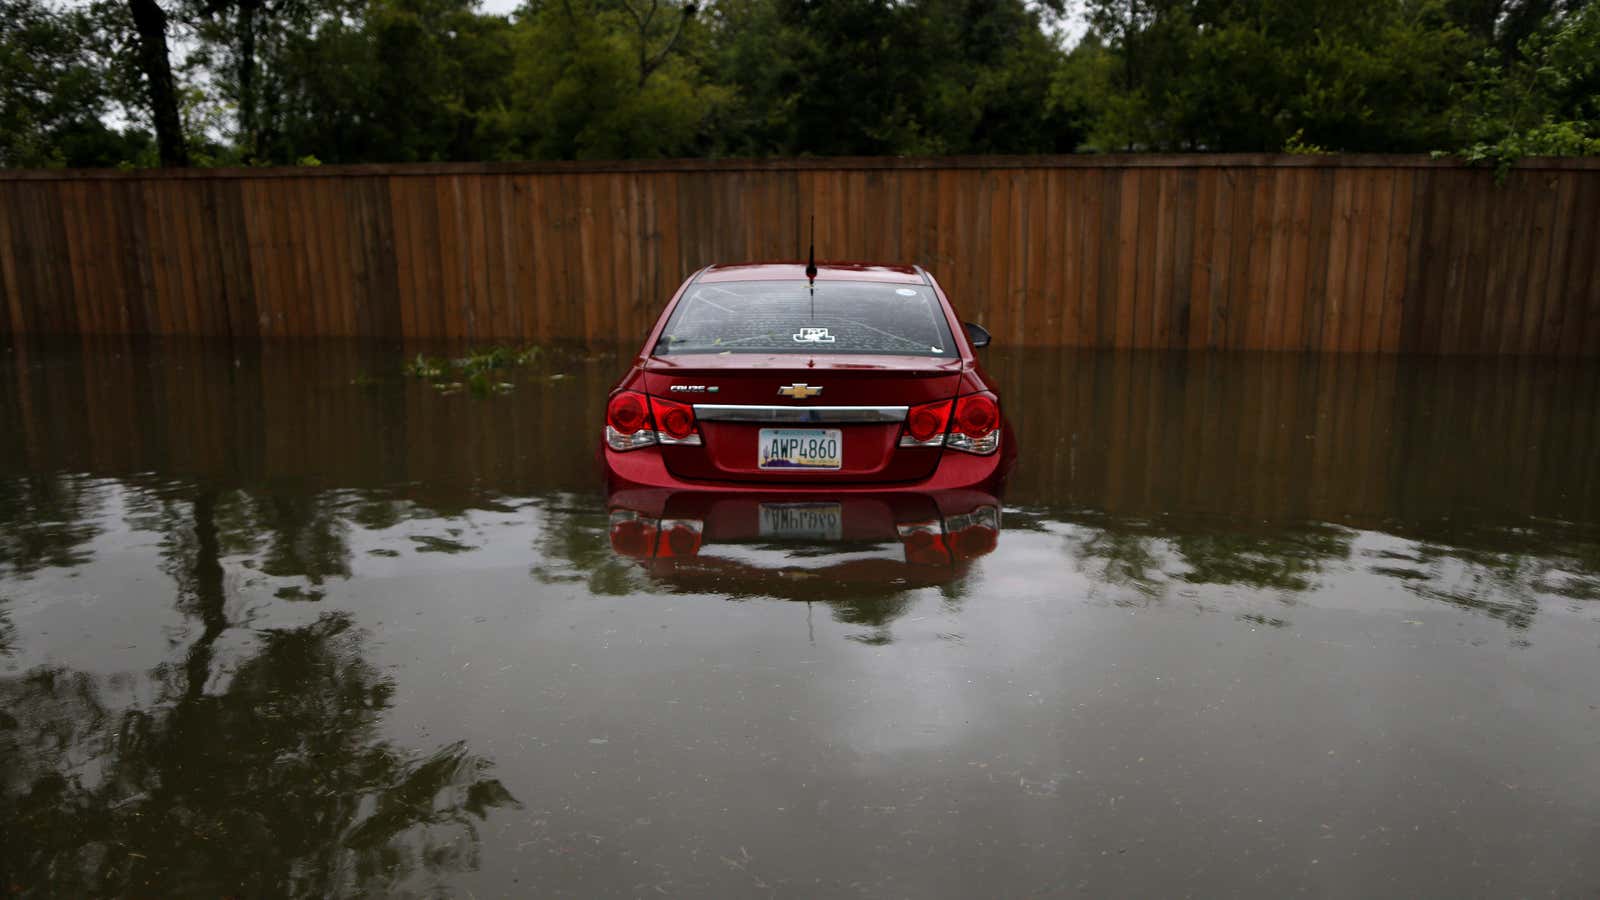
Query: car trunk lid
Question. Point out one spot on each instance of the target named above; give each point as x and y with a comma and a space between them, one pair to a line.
741, 399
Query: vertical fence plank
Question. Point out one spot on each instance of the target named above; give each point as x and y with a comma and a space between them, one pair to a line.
1419, 324
1230, 184
1195, 321
1245, 329
1126, 267
1146, 258
1478, 253
1380, 241
1250, 202
1288, 335
1336, 294
1048, 265
996, 300
1091, 251
1353, 309
1506, 291
96, 299
1464, 209
402, 214
1176, 331
1529, 288
1161, 269
328, 232
477, 259
1583, 268
1399, 255
10, 294
76, 244
382, 260
547, 286
305, 306
1267, 329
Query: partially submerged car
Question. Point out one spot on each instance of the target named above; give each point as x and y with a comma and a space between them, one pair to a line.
824, 380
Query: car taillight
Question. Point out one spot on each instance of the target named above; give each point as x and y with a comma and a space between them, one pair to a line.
976, 428
678, 537
925, 424
674, 422
627, 412
628, 422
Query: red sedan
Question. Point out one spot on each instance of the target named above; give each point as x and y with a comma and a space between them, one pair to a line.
823, 379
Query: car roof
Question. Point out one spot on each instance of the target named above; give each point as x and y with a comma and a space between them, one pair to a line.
826, 271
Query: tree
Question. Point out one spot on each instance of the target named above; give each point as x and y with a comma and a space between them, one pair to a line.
1545, 101
57, 88
391, 81
593, 80
276, 81
863, 77
1356, 75
150, 23
233, 30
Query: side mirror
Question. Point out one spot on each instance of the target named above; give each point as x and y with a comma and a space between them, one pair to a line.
977, 334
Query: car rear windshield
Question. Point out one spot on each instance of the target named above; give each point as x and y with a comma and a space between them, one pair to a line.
791, 317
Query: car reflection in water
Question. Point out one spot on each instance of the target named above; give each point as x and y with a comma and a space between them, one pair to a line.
804, 548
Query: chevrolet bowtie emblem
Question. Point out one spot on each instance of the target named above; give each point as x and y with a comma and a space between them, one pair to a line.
799, 391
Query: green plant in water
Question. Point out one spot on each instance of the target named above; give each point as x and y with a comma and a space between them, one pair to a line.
475, 371
424, 367
483, 384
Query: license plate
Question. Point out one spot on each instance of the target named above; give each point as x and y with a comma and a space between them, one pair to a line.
799, 448
802, 521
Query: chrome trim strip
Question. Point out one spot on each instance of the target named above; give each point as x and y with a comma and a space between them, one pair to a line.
717, 412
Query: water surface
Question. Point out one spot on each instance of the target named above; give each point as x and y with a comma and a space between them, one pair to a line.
276, 620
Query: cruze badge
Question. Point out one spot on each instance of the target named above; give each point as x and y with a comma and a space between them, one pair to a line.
692, 389
799, 391
813, 336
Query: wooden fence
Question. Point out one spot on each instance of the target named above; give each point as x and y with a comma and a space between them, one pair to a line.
1378, 254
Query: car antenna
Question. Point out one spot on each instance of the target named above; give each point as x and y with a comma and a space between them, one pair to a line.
811, 267
811, 260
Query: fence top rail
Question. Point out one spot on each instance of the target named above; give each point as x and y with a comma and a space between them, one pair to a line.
805, 164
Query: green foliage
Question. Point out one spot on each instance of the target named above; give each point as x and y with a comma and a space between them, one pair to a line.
583, 85
1296, 145
1347, 75
848, 77
426, 367
1544, 102
307, 82
57, 88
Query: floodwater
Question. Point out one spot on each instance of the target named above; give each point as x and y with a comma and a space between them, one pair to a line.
276, 620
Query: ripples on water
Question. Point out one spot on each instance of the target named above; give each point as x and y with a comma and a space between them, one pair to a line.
277, 619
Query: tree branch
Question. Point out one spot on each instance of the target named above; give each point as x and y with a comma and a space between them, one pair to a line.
647, 67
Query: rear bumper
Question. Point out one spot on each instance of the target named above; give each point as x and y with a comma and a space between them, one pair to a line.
645, 470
